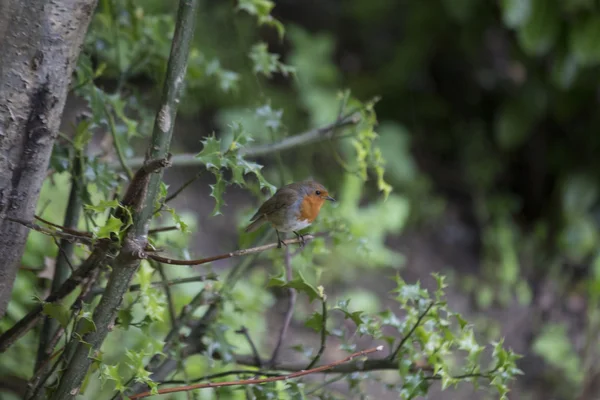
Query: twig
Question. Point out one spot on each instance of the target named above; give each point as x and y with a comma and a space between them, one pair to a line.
116, 143
182, 188
304, 138
237, 253
323, 333
98, 257
62, 235
162, 229
136, 287
265, 380
290, 311
63, 228
167, 289
244, 331
220, 375
412, 330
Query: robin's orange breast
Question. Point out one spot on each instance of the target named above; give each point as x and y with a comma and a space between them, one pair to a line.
310, 207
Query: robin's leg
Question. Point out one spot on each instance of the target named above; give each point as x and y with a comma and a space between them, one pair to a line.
279, 241
301, 238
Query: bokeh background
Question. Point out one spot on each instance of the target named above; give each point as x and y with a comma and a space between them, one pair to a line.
488, 121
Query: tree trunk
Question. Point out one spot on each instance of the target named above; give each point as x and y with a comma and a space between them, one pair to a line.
40, 41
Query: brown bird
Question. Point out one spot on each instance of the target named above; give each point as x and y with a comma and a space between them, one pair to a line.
292, 208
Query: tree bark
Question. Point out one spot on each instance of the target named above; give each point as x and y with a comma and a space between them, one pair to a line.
40, 41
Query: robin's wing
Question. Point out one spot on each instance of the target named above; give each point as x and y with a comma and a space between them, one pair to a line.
283, 198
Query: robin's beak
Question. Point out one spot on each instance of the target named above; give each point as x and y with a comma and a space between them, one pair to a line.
329, 198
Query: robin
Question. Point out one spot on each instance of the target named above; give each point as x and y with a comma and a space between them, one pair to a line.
292, 208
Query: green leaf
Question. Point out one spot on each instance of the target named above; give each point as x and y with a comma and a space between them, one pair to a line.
103, 206
315, 321
211, 155
513, 125
216, 191
59, 312
298, 283
112, 225
584, 40
515, 12
86, 324
262, 10
111, 372
539, 33
266, 63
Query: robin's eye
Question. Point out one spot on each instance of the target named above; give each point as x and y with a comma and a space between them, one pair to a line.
318, 192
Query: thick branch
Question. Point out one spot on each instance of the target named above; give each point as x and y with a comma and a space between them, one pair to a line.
141, 198
40, 44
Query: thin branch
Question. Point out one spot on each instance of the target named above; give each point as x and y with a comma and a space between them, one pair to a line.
63, 228
182, 187
323, 333
99, 256
192, 279
291, 305
220, 375
167, 288
237, 253
265, 380
162, 229
116, 143
62, 235
301, 139
412, 330
244, 331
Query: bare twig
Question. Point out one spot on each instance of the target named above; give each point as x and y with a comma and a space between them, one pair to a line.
323, 333
301, 139
173, 282
244, 331
182, 187
412, 330
162, 229
116, 143
265, 380
290, 311
62, 235
220, 375
63, 228
237, 253
167, 288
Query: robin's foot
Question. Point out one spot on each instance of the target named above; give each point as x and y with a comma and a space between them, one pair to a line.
301, 238
279, 241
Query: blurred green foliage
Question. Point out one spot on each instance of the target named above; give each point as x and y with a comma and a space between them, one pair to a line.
488, 104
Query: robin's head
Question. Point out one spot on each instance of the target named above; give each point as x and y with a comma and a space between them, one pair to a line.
315, 192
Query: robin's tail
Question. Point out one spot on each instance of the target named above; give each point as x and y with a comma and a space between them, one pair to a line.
256, 224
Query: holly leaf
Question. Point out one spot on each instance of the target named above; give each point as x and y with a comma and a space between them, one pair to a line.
211, 155
298, 283
216, 192
112, 225
57, 311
